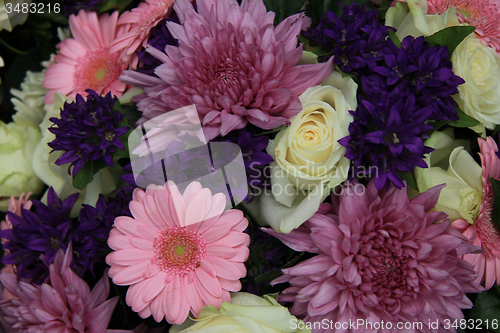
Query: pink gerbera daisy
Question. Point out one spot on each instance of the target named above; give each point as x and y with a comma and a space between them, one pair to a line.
179, 252
482, 14
63, 304
85, 61
380, 258
233, 64
139, 21
483, 232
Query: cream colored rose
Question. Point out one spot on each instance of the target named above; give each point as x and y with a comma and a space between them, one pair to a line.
246, 313
462, 196
17, 143
308, 158
479, 66
412, 19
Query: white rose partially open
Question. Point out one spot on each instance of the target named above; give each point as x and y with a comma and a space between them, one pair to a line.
479, 96
308, 158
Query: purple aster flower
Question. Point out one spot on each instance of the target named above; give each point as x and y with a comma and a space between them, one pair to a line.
35, 237
90, 235
254, 156
73, 7
266, 255
88, 131
159, 38
425, 71
355, 40
386, 135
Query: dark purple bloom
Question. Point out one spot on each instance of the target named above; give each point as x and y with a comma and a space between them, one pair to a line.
159, 38
88, 131
33, 234
386, 135
90, 235
254, 156
356, 40
73, 7
426, 72
37, 235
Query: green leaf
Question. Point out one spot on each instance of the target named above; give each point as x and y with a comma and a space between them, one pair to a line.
394, 38
463, 120
87, 172
451, 37
384, 7
273, 295
132, 115
119, 5
487, 309
283, 8
496, 202
438, 124
124, 139
314, 9
410, 179
266, 277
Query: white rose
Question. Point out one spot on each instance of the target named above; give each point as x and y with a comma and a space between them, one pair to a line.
17, 143
479, 96
462, 196
308, 158
412, 19
246, 313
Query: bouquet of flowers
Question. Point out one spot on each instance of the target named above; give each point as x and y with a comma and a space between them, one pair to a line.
250, 166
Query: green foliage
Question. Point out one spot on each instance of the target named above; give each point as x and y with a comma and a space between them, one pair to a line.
283, 8
450, 37
394, 38
87, 172
463, 120
486, 310
496, 202
119, 5
410, 179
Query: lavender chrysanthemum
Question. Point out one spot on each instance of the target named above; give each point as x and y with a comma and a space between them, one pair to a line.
237, 68
381, 257
63, 304
88, 130
355, 40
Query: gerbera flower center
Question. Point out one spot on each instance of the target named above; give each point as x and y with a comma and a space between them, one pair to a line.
97, 69
178, 250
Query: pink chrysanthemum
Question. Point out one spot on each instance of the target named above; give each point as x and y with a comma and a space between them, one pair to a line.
180, 252
381, 257
139, 21
233, 64
85, 61
483, 232
483, 14
65, 304
15, 206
